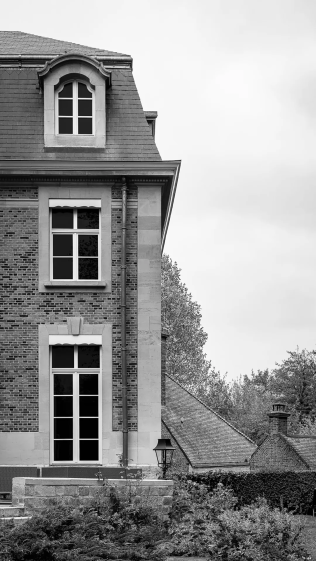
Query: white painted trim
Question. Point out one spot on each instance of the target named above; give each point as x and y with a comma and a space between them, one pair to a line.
73, 203
75, 339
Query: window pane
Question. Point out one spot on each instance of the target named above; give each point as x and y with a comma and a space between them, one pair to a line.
66, 91
62, 218
65, 108
84, 125
63, 428
88, 406
65, 125
62, 383
88, 246
88, 357
63, 356
88, 218
63, 450
62, 244
62, 268
89, 450
83, 91
89, 428
88, 384
85, 107
63, 406
88, 269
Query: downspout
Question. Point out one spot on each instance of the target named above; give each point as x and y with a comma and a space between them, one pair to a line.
123, 325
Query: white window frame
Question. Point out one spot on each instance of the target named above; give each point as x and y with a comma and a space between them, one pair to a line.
75, 371
75, 109
75, 232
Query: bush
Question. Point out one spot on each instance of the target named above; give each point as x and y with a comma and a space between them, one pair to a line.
111, 526
293, 490
127, 526
210, 524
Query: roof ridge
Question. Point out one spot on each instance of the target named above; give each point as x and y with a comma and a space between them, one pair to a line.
210, 408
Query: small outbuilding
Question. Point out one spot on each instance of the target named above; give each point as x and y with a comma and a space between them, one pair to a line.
281, 451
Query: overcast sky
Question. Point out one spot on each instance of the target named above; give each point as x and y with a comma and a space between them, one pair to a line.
234, 84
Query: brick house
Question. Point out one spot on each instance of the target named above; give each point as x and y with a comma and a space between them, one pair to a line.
203, 440
85, 205
280, 451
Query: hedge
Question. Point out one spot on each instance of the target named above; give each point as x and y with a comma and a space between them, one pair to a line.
292, 490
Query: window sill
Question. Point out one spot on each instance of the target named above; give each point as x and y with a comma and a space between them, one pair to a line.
75, 284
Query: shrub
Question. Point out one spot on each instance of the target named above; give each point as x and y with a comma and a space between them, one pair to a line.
293, 490
127, 526
210, 524
109, 527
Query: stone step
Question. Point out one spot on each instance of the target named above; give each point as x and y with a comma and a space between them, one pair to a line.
11, 511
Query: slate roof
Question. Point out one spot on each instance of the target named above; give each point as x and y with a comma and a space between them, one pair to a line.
205, 437
305, 446
128, 135
19, 43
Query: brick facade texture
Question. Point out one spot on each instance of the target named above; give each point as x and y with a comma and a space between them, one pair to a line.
24, 308
275, 454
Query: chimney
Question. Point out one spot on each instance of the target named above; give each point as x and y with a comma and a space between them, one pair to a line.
278, 419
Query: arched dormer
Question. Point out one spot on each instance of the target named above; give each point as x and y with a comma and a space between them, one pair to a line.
74, 88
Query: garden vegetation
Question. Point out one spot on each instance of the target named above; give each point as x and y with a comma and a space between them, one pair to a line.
128, 526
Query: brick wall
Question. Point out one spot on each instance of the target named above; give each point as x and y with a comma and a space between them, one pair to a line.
275, 454
23, 308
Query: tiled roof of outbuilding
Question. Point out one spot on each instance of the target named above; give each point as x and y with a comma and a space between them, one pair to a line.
203, 435
19, 43
305, 446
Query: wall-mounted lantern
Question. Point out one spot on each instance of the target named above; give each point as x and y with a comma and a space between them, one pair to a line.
164, 452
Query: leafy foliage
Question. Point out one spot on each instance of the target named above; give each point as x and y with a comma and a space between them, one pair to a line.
186, 360
295, 381
252, 399
116, 526
294, 490
111, 526
209, 524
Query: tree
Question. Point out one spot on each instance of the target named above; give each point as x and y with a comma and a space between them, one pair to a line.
186, 360
252, 399
295, 382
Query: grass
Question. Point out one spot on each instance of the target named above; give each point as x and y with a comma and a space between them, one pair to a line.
310, 534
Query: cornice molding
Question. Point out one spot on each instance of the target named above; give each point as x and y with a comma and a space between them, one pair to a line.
16, 60
57, 167
73, 58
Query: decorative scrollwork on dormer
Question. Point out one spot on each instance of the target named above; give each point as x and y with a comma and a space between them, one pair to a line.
74, 58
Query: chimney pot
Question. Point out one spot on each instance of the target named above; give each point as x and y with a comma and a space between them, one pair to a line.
278, 419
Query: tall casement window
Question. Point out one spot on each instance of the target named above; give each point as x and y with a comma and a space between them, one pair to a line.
75, 109
75, 242
76, 403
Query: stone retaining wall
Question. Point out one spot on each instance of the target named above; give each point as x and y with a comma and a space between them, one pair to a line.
35, 493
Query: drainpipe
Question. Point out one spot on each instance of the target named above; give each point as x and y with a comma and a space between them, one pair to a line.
123, 325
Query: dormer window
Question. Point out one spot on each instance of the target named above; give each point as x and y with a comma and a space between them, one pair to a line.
75, 109
74, 88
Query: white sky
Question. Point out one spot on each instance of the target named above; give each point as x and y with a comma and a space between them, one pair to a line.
234, 84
